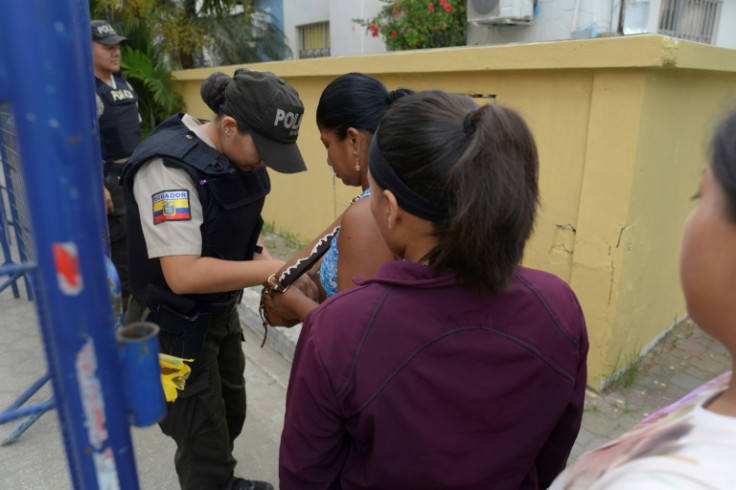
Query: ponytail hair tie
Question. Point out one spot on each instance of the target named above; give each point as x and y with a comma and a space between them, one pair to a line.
468, 122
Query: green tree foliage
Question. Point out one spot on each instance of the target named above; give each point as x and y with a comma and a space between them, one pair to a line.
145, 63
251, 35
152, 82
229, 31
419, 24
166, 35
240, 40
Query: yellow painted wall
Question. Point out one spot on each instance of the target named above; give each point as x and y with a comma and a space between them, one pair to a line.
621, 125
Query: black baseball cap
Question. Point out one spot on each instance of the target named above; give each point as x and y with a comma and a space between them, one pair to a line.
103, 33
273, 112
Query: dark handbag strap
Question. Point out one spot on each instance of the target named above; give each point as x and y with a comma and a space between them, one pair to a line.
291, 274
302, 265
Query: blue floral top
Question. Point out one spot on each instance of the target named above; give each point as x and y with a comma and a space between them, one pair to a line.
328, 269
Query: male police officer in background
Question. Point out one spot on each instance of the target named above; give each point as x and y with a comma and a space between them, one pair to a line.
120, 133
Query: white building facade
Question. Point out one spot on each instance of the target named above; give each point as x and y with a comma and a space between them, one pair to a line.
309, 24
706, 21
326, 28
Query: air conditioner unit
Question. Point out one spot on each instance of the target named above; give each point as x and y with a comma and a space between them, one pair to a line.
500, 11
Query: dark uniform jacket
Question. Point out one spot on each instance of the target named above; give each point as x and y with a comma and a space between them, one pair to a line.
414, 379
231, 199
120, 128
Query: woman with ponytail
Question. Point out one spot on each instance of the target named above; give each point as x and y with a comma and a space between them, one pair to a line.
454, 367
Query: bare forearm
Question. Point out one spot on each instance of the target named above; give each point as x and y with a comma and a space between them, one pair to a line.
301, 306
293, 303
190, 274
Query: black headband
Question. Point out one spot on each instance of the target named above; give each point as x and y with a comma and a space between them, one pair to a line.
385, 176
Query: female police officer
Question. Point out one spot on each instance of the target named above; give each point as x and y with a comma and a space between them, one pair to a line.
195, 191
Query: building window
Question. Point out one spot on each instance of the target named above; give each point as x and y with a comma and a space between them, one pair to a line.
693, 20
314, 40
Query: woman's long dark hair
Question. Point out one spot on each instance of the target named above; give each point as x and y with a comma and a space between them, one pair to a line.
354, 100
481, 164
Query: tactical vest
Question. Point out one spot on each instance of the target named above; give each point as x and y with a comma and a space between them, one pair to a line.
120, 128
231, 199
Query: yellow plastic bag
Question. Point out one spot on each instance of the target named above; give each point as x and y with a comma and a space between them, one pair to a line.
174, 374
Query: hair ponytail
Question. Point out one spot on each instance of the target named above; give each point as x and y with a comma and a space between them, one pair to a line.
495, 184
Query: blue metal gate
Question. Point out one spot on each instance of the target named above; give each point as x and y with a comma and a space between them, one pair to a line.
47, 86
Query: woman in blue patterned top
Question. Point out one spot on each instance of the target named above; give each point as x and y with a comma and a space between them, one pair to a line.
348, 113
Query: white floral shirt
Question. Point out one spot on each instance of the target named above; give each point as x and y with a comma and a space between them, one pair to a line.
682, 446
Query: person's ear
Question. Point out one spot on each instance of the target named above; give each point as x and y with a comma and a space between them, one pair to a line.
229, 125
393, 211
354, 138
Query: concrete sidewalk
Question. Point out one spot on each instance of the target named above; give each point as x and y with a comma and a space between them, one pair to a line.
682, 360
37, 460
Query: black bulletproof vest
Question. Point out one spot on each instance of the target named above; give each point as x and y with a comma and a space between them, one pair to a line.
231, 199
120, 129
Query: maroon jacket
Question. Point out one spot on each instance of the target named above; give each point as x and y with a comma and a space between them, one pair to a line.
414, 380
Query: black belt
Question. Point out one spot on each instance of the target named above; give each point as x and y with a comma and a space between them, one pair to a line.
187, 307
220, 309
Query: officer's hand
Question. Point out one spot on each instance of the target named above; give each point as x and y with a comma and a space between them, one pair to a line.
109, 206
307, 287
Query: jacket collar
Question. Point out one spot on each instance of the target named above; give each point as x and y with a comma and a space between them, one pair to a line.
404, 273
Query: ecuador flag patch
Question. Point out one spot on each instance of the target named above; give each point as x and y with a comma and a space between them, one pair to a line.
171, 206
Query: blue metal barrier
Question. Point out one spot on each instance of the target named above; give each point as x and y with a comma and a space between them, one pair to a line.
13, 203
33, 413
143, 397
46, 78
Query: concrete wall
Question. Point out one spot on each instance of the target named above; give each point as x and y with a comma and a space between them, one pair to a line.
349, 38
726, 35
297, 13
621, 125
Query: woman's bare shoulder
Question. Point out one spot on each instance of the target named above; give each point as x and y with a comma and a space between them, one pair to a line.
357, 213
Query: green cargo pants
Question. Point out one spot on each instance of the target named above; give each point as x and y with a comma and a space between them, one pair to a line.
209, 414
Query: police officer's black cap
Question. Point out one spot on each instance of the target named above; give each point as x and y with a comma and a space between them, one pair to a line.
270, 108
103, 33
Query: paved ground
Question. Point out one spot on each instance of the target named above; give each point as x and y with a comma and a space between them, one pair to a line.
681, 361
37, 460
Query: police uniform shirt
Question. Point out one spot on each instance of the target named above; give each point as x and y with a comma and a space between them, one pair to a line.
169, 206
